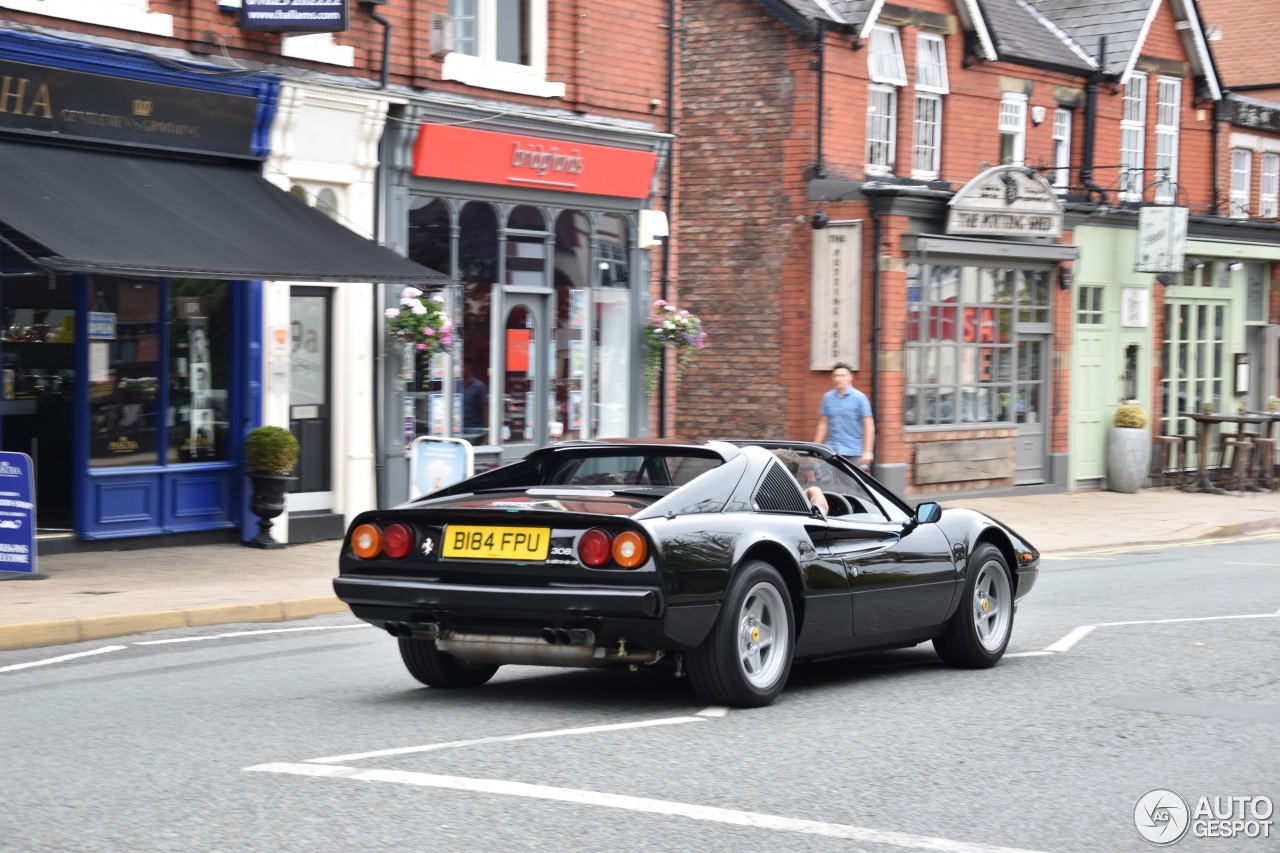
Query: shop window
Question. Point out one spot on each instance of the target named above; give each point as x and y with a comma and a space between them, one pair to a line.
477, 269
612, 331
159, 377
964, 363
499, 44
1013, 129
37, 346
1195, 370
198, 410
572, 291
1133, 134
526, 248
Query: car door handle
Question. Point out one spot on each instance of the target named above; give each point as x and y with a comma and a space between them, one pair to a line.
851, 568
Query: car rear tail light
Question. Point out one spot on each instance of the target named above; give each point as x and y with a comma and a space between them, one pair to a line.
366, 541
629, 549
397, 541
594, 547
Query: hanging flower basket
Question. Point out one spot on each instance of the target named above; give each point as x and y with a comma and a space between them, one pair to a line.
669, 326
421, 322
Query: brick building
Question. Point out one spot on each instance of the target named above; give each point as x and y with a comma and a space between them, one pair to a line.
521, 162
938, 140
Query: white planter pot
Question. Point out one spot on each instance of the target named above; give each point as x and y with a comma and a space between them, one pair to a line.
1128, 459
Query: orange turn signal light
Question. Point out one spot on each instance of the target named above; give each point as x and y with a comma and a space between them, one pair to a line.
629, 549
366, 541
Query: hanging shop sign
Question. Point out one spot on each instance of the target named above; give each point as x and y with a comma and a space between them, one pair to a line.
1162, 238
489, 157
80, 105
1006, 201
835, 309
17, 514
294, 16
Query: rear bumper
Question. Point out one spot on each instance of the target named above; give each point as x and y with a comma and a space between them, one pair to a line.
499, 600
638, 614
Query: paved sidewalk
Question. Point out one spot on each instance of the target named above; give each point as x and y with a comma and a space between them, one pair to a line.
92, 596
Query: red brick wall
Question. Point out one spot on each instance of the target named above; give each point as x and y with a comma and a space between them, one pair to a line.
1245, 52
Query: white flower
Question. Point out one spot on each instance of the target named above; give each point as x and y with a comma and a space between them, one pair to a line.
418, 308
409, 292
391, 313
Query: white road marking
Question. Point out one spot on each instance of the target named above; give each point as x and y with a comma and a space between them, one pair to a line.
1188, 619
61, 658
1028, 654
248, 634
640, 804
1074, 558
713, 711
408, 750
1263, 565
1076, 635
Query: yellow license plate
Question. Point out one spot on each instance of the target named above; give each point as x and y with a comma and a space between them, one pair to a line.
496, 543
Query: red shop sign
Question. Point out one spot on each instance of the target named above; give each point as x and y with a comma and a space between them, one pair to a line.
483, 156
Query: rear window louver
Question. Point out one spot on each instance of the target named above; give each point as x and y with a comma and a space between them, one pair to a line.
780, 493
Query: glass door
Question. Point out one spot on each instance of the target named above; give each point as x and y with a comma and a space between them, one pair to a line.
309, 409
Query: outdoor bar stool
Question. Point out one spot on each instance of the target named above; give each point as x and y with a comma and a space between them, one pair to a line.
1170, 459
1234, 470
1264, 463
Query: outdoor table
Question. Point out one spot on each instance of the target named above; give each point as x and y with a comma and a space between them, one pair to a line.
1201, 482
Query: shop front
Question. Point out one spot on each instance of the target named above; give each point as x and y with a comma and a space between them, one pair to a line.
981, 384
135, 227
543, 226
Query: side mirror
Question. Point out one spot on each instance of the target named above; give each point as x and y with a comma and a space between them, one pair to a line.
928, 512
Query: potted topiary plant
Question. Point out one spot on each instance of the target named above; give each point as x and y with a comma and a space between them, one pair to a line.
1128, 449
270, 454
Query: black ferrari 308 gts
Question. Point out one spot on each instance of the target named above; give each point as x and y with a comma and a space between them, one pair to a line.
706, 557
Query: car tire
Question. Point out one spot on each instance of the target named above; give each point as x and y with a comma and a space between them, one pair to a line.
435, 668
978, 634
745, 660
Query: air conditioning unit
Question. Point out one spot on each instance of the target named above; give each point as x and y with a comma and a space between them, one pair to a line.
441, 34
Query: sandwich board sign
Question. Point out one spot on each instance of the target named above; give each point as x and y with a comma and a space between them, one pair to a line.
17, 514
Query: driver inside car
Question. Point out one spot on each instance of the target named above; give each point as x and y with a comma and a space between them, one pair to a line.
791, 460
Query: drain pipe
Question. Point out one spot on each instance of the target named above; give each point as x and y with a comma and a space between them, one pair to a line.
877, 237
1090, 121
819, 169
369, 6
670, 195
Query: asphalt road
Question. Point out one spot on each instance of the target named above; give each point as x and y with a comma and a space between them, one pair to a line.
166, 742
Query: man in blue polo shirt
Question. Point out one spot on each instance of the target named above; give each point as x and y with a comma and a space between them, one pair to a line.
844, 419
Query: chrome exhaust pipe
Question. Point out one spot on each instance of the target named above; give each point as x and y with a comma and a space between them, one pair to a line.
403, 630
538, 651
549, 634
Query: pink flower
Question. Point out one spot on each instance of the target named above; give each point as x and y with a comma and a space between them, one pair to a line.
422, 346
428, 331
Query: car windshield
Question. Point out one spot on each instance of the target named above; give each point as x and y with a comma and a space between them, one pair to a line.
630, 469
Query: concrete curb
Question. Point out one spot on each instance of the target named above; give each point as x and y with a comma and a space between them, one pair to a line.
31, 635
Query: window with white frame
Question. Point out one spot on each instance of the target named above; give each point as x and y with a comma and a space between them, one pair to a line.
1013, 129
1062, 148
1168, 120
885, 58
134, 15
888, 72
931, 85
882, 107
1241, 176
500, 44
1133, 134
1269, 191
